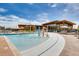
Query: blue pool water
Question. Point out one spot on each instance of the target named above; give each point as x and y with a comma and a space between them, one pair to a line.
25, 41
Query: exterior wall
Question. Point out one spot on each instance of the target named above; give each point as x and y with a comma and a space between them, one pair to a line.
57, 27
68, 26
26, 28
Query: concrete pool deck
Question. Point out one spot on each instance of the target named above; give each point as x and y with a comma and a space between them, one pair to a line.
71, 47
6, 48
51, 47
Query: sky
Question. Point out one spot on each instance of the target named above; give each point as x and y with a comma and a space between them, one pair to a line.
12, 14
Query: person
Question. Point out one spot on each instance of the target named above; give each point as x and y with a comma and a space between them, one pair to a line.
44, 32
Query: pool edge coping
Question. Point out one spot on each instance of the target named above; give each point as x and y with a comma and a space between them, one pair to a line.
12, 47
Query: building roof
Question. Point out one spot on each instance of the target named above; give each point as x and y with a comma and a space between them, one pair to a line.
60, 22
66, 22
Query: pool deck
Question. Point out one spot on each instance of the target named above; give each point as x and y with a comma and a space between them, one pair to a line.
6, 49
71, 47
51, 47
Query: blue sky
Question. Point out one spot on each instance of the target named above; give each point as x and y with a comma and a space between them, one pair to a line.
13, 14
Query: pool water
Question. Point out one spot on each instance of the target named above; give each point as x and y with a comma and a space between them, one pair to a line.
25, 41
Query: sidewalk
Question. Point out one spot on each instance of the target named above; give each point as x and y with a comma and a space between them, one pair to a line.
71, 47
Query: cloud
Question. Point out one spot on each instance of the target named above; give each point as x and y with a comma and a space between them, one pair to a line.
30, 3
42, 18
52, 5
12, 21
72, 8
77, 22
70, 12
36, 22
3, 10
65, 10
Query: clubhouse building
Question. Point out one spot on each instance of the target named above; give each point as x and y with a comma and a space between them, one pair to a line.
62, 25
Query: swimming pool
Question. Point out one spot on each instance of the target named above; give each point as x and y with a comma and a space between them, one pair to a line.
25, 41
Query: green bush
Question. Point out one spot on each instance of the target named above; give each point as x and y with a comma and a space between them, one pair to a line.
78, 29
